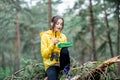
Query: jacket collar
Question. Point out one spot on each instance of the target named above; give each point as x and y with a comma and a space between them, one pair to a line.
54, 33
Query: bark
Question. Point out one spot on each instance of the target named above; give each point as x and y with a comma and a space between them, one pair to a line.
17, 55
118, 37
108, 34
92, 31
3, 61
49, 12
33, 42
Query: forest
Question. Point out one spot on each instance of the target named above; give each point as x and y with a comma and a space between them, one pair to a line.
93, 26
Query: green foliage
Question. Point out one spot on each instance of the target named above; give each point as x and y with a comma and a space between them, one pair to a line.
5, 72
33, 72
110, 74
30, 71
78, 28
87, 67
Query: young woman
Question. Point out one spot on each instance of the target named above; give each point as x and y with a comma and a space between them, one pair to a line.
54, 58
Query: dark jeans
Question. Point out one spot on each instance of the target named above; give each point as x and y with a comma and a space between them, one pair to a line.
53, 71
64, 58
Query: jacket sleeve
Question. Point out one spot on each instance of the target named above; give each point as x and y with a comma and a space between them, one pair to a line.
46, 50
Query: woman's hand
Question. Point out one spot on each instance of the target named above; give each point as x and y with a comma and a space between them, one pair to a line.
56, 41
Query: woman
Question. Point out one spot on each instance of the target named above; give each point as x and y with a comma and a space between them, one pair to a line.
54, 58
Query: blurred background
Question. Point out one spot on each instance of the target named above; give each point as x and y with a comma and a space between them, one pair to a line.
92, 25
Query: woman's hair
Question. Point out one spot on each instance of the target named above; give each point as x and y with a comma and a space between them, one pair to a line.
54, 21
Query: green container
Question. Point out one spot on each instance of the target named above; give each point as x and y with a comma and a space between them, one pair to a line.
65, 44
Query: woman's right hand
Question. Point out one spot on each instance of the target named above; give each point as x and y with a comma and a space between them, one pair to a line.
56, 41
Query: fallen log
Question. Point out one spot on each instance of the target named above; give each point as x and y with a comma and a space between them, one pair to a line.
98, 71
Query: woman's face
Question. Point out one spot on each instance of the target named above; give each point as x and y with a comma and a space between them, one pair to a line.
58, 25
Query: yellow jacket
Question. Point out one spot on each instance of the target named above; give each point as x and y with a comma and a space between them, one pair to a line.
47, 46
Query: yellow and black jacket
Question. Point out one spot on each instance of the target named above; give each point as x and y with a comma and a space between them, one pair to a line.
48, 48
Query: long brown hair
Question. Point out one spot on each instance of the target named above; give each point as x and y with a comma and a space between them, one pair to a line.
54, 21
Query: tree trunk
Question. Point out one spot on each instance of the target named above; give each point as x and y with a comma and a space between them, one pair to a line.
49, 12
92, 32
3, 60
33, 42
108, 34
17, 55
118, 38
